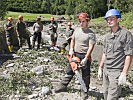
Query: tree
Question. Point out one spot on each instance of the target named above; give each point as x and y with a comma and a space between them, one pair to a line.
96, 8
123, 5
59, 7
71, 7
3, 8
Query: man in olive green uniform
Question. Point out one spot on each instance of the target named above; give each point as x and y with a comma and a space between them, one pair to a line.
53, 32
9, 29
68, 35
82, 44
21, 31
117, 56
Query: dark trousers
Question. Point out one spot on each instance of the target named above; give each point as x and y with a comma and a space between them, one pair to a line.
9, 38
21, 37
66, 43
85, 72
37, 36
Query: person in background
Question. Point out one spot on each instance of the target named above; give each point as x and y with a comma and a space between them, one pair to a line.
82, 44
37, 28
9, 29
68, 35
53, 32
117, 56
21, 32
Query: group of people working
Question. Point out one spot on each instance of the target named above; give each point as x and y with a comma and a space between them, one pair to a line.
117, 53
22, 34
116, 59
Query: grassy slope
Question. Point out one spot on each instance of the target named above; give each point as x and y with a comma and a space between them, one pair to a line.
127, 21
27, 16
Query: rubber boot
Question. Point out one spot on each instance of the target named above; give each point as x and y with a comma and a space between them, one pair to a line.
10, 47
29, 45
105, 95
38, 46
63, 84
87, 82
63, 50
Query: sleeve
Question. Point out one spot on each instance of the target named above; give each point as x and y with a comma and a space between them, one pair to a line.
17, 26
34, 27
50, 26
92, 38
104, 46
25, 25
129, 44
5, 27
72, 32
56, 25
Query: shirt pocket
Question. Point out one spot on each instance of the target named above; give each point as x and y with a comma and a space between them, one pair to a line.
119, 46
109, 47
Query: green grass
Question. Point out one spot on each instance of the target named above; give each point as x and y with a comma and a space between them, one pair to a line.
98, 20
126, 21
27, 16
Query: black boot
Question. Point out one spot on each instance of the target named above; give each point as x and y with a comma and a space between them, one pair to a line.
63, 84
30, 47
60, 88
29, 44
38, 46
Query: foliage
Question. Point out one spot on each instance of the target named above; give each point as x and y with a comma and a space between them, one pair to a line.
96, 8
126, 21
18, 81
3, 8
21, 80
122, 5
71, 7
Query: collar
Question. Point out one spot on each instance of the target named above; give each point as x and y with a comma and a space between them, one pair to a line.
115, 34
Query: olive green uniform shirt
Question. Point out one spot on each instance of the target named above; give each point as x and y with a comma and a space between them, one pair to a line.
10, 31
21, 27
116, 47
53, 27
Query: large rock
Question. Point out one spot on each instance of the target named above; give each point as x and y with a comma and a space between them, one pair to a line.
38, 70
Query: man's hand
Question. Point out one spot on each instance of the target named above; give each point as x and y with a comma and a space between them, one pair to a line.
100, 73
71, 52
122, 79
84, 61
10, 27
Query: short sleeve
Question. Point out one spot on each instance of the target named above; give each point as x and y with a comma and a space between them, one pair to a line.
92, 38
104, 46
17, 25
129, 44
5, 26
